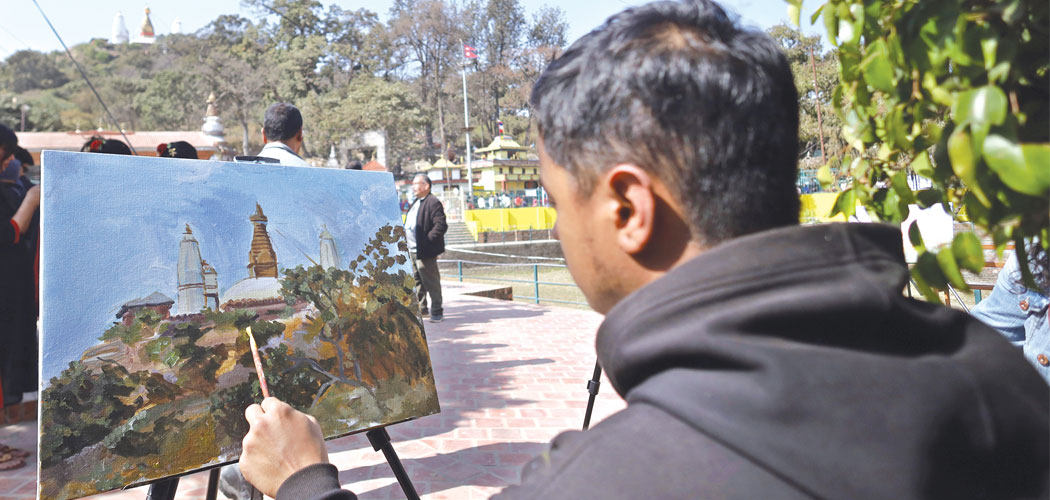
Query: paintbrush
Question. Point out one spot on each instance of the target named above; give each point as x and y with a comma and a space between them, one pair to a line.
258, 364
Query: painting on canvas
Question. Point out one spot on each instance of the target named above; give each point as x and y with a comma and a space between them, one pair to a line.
152, 269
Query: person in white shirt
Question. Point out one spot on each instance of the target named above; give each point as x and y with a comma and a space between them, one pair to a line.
283, 134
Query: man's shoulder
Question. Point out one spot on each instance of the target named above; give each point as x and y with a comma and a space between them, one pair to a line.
644, 452
282, 153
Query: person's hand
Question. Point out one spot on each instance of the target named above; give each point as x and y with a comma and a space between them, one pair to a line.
280, 441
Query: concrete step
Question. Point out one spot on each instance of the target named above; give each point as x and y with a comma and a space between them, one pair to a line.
458, 234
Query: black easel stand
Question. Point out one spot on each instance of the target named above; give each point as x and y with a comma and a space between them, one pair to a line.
380, 440
163, 490
592, 388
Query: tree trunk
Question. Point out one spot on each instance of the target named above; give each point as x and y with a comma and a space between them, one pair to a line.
244, 136
441, 125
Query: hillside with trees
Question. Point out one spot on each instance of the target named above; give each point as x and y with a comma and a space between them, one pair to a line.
161, 396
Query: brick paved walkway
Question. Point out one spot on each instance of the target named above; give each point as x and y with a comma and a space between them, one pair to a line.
510, 376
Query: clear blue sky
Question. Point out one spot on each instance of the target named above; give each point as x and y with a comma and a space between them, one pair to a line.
22, 27
116, 223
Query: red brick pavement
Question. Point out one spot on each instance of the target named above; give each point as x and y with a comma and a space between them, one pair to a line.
509, 375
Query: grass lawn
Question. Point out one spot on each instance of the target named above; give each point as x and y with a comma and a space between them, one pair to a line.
500, 275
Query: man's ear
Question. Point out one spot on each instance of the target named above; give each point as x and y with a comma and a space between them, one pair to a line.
265, 139
299, 135
635, 206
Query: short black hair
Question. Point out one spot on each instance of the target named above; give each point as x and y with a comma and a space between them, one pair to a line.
96, 144
282, 122
8, 139
24, 156
425, 177
177, 149
680, 89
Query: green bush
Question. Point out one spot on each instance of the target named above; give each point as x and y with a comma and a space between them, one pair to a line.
958, 92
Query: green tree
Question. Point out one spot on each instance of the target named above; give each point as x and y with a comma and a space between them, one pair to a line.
28, 69
958, 92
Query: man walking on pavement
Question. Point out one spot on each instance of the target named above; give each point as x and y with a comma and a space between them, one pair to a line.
425, 226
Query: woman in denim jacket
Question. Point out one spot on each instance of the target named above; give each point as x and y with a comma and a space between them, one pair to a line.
1020, 313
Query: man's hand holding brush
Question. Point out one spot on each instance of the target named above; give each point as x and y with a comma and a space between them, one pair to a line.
280, 441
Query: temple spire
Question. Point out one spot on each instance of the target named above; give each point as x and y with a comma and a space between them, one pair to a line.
262, 260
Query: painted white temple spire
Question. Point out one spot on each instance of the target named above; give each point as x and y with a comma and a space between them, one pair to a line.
329, 254
191, 274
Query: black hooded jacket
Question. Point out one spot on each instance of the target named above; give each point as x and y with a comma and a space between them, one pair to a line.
789, 364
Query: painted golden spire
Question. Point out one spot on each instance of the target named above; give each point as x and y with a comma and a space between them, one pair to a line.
262, 260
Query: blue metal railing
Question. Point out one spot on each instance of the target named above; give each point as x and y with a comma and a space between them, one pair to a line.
535, 281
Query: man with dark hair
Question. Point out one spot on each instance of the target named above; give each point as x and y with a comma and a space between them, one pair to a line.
758, 358
8, 145
283, 134
425, 227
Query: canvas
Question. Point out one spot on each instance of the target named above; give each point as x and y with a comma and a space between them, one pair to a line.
153, 268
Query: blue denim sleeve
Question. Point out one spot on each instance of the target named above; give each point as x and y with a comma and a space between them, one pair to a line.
1020, 315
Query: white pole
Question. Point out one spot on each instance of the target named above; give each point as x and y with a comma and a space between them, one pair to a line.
466, 126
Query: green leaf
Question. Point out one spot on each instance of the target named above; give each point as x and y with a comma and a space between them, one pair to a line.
989, 45
930, 269
915, 236
924, 288
831, 23
960, 152
1007, 159
984, 104
899, 181
921, 165
845, 204
878, 71
816, 14
1037, 161
968, 253
929, 197
824, 176
950, 269
793, 12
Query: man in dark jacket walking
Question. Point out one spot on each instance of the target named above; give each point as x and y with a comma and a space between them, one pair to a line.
759, 359
425, 226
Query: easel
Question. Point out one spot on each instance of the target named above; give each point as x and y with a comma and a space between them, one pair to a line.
164, 489
592, 389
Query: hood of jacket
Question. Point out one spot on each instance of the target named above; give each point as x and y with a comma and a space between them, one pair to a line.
797, 348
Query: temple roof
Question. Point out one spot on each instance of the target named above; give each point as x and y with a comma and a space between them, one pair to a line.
372, 165
501, 143
153, 299
145, 143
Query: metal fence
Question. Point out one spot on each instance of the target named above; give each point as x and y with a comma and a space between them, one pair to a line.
535, 281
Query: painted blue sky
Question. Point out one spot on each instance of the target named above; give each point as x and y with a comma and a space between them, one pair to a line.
112, 227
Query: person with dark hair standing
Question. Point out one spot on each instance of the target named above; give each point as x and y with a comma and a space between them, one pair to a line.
96, 144
283, 134
425, 227
18, 308
177, 149
758, 358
